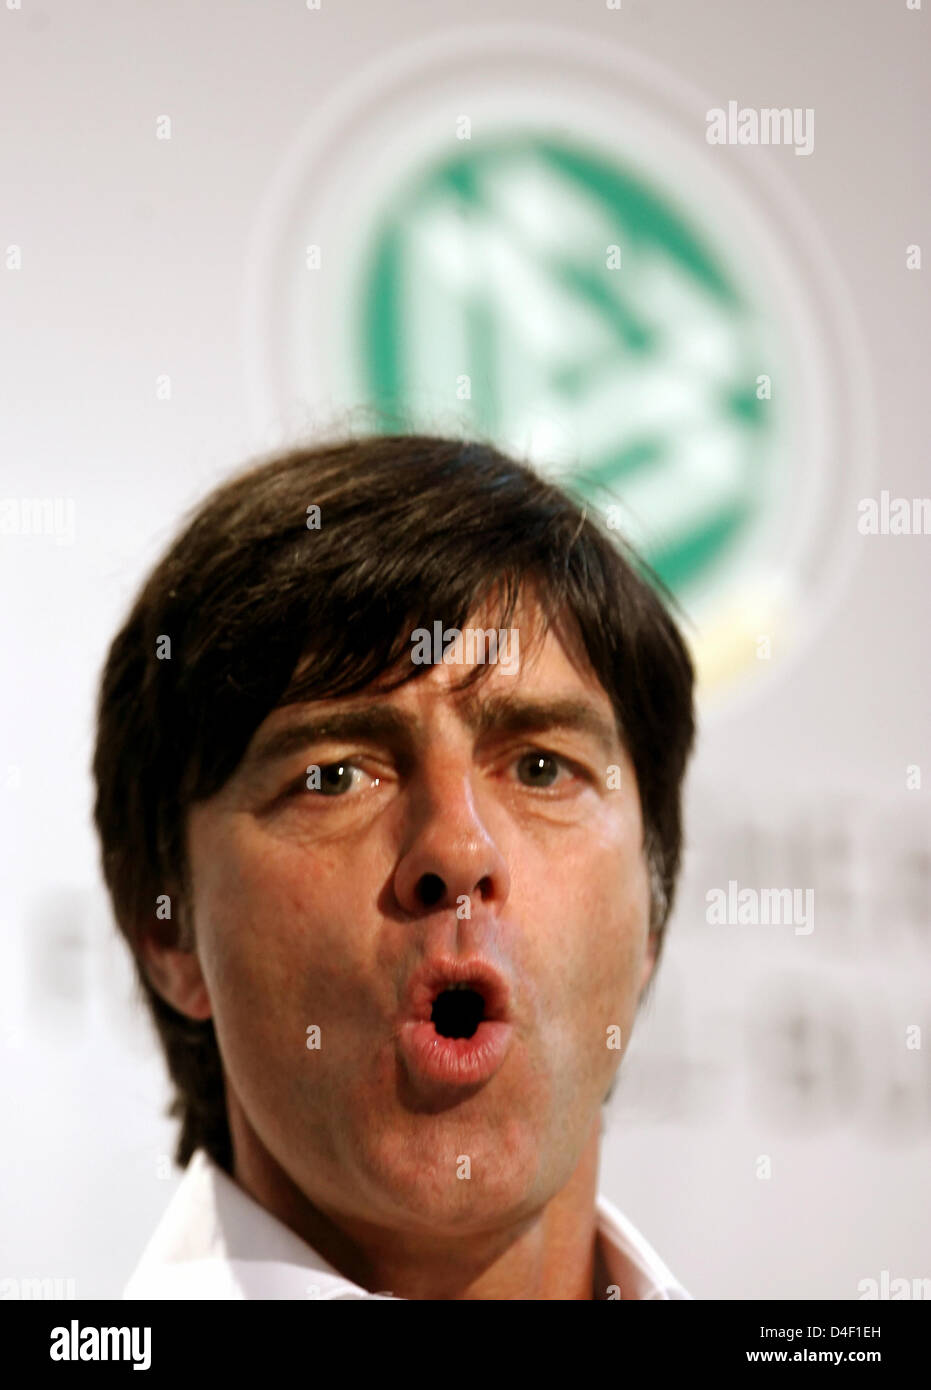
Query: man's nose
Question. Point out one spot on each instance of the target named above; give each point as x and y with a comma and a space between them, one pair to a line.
450, 852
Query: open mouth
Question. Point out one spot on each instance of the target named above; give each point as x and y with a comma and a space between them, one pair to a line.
457, 1011
456, 1028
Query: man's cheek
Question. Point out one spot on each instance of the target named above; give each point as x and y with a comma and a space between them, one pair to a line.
256, 969
616, 967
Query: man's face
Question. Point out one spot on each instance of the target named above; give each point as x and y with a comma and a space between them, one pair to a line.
474, 825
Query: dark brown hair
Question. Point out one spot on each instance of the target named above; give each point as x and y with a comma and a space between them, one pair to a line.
262, 608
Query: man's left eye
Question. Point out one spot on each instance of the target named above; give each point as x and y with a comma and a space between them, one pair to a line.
539, 769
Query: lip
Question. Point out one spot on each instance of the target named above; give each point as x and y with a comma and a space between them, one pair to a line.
430, 1057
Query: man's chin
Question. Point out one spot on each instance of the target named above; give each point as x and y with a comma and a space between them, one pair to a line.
460, 1177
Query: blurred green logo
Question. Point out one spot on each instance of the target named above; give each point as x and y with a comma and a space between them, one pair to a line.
558, 303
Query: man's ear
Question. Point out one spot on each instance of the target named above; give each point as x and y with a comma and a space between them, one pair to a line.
173, 969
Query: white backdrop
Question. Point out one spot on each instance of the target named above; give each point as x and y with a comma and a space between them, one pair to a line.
759, 1043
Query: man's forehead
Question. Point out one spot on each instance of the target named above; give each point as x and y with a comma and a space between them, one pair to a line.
547, 676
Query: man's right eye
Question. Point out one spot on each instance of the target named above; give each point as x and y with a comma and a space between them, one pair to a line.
336, 778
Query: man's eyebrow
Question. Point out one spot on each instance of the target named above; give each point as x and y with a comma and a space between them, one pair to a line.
383, 723
379, 722
512, 715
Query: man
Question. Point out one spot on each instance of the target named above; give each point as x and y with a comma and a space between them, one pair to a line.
389, 761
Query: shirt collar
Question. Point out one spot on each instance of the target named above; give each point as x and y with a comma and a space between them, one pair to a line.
216, 1242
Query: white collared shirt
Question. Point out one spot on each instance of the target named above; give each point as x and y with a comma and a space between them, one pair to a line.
216, 1242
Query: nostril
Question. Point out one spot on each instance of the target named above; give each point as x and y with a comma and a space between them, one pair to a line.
430, 889
485, 888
